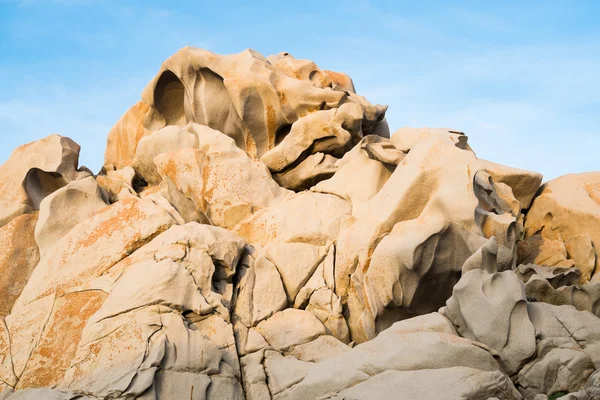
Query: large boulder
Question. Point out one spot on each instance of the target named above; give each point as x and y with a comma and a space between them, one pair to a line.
119, 335
524, 184
306, 217
173, 323
243, 95
222, 180
562, 228
363, 171
167, 140
392, 262
33, 171
65, 208
491, 308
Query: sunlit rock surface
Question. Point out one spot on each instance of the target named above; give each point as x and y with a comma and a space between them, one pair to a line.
257, 233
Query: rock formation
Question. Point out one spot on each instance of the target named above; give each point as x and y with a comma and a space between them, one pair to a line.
257, 233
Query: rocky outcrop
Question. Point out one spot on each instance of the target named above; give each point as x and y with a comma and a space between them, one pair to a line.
491, 308
568, 350
255, 233
560, 286
33, 171
222, 181
562, 228
244, 96
62, 210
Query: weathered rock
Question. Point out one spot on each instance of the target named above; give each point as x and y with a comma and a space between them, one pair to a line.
556, 277
491, 308
280, 350
363, 171
559, 286
567, 353
425, 345
58, 342
332, 131
157, 325
308, 70
283, 372
288, 220
268, 293
167, 140
65, 208
308, 173
562, 228
45, 394
242, 95
566, 327
451, 383
117, 184
7, 372
289, 328
255, 376
319, 349
590, 392
124, 137
296, 263
221, 180
327, 307
253, 221
558, 370
404, 139
89, 250
437, 198
18, 257
524, 184
33, 171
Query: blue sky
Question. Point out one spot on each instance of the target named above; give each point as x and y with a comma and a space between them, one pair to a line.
521, 80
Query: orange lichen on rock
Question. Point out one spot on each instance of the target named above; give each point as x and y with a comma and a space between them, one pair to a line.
254, 219
96, 244
18, 257
341, 79
58, 343
124, 137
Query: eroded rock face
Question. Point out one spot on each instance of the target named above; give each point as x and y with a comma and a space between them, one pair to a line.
222, 180
562, 227
255, 233
491, 308
560, 286
243, 95
65, 208
33, 171
18, 258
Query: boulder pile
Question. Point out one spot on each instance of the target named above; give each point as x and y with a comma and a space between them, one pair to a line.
257, 233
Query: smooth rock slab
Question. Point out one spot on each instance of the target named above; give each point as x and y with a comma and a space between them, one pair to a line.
408, 345
433, 384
